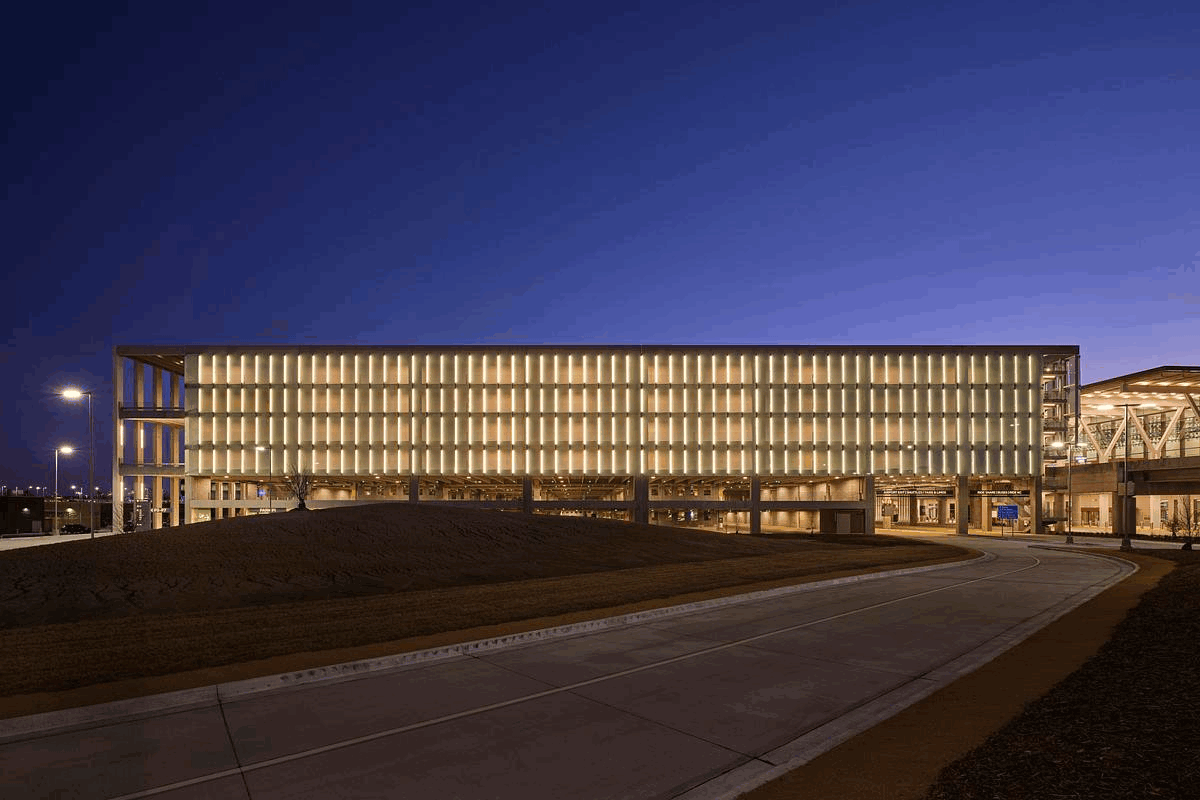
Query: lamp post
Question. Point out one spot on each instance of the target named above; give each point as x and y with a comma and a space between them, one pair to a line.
75, 394
66, 451
270, 488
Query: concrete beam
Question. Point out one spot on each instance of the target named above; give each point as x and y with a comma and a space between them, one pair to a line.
809, 505
138, 471
1166, 487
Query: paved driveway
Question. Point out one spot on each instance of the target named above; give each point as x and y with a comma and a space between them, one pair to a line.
694, 705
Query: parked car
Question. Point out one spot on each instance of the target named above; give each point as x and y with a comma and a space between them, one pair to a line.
75, 527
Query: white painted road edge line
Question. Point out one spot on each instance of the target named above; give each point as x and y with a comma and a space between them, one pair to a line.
804, 749
51, 722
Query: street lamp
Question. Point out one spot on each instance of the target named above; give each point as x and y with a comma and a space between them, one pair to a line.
66, 451
271, 479
75, 394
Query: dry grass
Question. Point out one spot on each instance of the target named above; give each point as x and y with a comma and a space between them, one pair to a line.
240, 590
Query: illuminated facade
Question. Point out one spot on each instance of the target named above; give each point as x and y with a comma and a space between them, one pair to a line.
730, 436
1145, 424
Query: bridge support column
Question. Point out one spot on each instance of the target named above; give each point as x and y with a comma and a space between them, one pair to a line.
527, 495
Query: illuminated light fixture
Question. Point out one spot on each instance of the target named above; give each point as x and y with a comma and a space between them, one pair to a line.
1104, 407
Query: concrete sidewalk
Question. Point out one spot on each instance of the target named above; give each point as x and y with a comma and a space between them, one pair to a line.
705, 703
1080, 539
40, 539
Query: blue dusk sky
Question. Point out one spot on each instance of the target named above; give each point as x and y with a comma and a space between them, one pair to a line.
742, 173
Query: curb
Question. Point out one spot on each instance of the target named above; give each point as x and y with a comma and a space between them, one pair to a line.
52, 722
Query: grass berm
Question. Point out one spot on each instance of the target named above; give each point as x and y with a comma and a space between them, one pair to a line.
95, 620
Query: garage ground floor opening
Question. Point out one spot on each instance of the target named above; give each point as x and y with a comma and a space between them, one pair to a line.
730, 504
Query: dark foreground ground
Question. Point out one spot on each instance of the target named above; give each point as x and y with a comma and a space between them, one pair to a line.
1124, 725
1101, 704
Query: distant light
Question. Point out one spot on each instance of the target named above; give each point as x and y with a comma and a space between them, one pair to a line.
1104, 407
66, 450
1058, 444
72, 394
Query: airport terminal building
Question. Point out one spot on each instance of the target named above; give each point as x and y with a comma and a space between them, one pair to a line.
735, 438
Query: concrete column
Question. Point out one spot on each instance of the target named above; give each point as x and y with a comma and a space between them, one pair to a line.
914, 513
1124, 515
176, 438
869, 499
1156, 520
641, 499
139, 432
1035, 504
156, 486
118, 484
985, 510
1059, 509
527, 494
755, 505
414, 488
962, 502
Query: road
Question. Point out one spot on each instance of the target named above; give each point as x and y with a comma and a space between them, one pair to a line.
696, 705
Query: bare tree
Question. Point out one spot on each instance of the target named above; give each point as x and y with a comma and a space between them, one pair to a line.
1185, 521
1174, 525
298, 483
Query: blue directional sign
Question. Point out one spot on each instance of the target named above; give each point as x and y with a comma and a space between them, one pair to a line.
1006, 512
